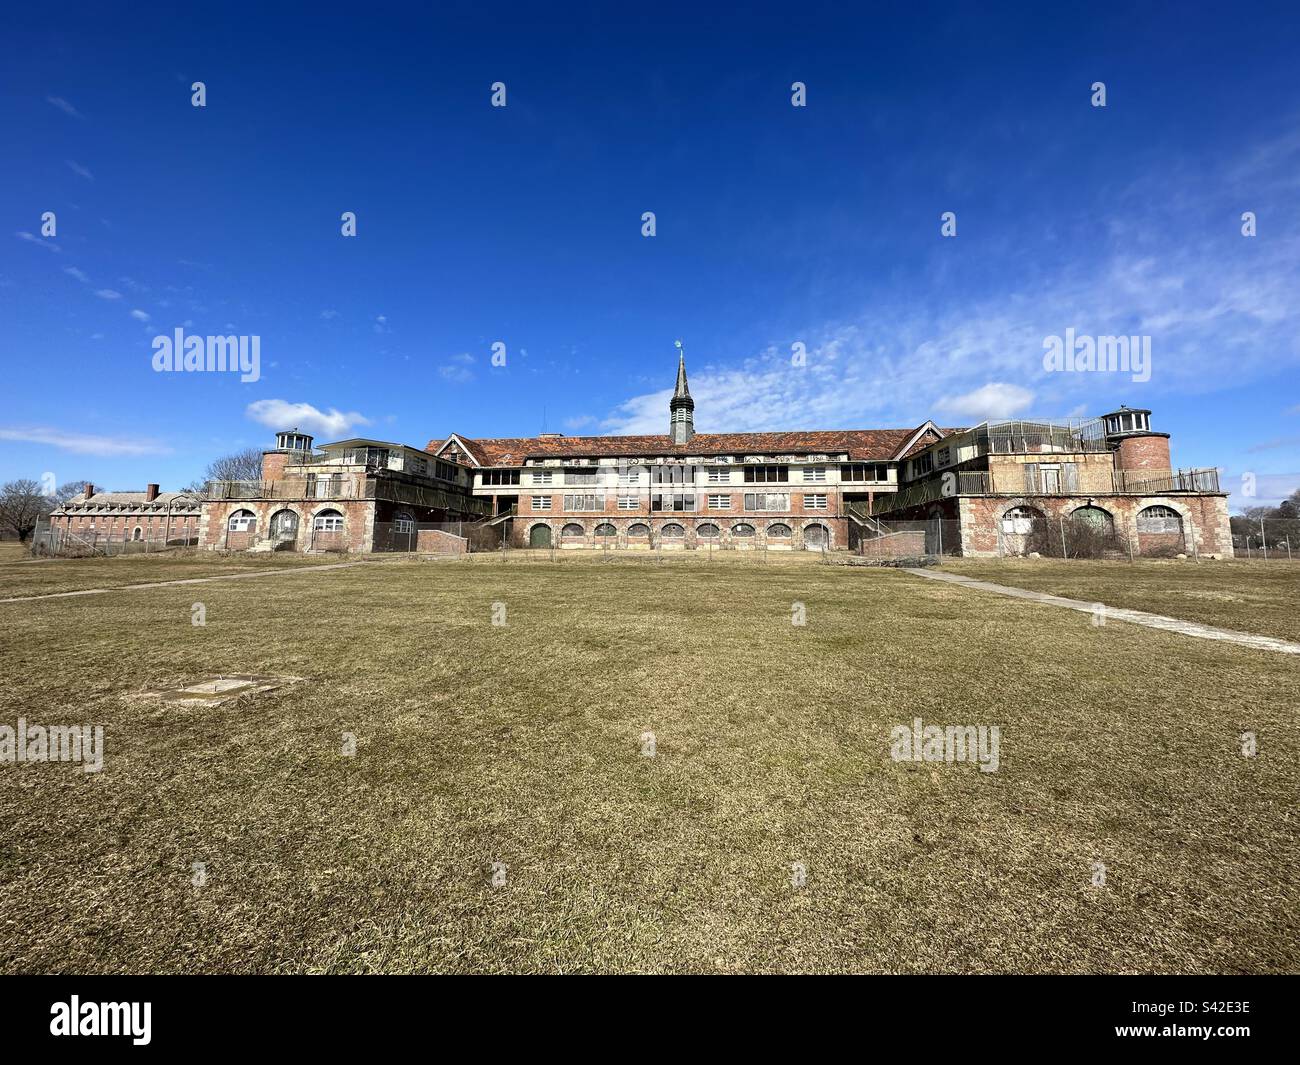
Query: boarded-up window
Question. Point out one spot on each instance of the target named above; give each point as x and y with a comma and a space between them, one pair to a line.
1159, 520
1069, 477
1031, 478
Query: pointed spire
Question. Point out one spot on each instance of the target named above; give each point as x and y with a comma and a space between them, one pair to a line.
681, 407
682, 391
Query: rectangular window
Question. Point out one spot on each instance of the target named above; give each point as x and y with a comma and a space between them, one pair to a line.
543, 477
582, 502
327, 523
404, 525
500, 477
922, 464
945, 455
572, 477
629, 476
676, 501
766, 474
767, 501
719, 502
814, 474
815, 501
629, 503
675, 474
719, 475
541, 502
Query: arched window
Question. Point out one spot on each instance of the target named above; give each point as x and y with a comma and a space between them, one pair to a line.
573, 530
605, 529
707, 531
779, 531
1095, 518
1019, 521
673, 531
138, 534
640, 528
403, 522
242, 521
1159, 520
816, 536
328, 521
743, 529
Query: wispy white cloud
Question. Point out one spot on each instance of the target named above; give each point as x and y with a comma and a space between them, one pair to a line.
994, 400
32, 238
80, 170
112, 294
140, 316
85, 443
80, 275
64, 106
280, 414
1221, 313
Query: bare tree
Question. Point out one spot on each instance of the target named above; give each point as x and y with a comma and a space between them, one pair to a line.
243, 465
22, 504
65, 493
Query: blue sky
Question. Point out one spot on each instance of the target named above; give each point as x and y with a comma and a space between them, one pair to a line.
776, 225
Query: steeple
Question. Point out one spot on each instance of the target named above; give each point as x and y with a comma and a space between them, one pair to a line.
681, 408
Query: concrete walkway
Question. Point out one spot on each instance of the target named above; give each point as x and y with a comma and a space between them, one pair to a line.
1134, 617
188, 580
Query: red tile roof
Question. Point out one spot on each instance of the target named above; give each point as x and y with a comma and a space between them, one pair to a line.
861, 445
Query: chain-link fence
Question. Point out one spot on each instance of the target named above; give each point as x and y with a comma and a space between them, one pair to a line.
49, 539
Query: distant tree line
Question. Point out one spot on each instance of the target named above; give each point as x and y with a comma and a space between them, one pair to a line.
1279, 524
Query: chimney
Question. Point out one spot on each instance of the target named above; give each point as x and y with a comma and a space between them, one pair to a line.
150, 493
89, 491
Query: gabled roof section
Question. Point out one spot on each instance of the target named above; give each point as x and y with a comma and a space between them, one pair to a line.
466, 445
922, 436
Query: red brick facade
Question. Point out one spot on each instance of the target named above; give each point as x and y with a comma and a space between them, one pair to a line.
1149, 452
1203, 518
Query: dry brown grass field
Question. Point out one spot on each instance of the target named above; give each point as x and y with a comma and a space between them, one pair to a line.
522, 744
1249, 596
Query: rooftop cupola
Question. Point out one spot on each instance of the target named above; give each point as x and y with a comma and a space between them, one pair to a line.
681, 408
292, 440
1136, 446
1125, 421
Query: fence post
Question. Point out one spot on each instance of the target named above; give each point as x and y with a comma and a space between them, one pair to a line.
1263, 539
1064, 551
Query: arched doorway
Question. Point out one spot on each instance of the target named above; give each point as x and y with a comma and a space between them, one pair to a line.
539, 536
284, 528
816, 537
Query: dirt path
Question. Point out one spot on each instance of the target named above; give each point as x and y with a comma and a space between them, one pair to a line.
1134, 617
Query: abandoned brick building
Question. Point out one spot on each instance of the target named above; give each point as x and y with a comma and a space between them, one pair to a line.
353, 495
104, 518
1001, 484
1001, 487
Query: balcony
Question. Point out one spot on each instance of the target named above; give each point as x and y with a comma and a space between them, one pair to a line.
339, 486
1123, 482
